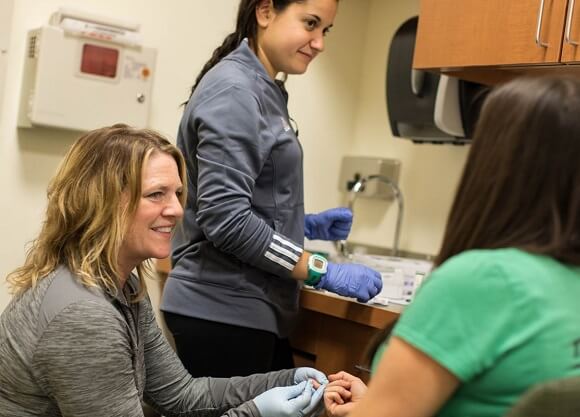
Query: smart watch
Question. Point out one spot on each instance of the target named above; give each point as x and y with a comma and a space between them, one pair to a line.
317, 266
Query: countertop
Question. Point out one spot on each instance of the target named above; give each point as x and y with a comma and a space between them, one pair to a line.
333, 305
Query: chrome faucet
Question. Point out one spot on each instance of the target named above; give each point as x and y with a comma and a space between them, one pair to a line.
353, 194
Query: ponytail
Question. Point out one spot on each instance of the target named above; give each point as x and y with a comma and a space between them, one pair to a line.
230, 43
246, 27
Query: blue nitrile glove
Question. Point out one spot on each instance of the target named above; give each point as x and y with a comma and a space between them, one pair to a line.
285, 401
352, 280
333, 224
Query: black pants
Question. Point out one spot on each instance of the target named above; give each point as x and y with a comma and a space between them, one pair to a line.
208, 348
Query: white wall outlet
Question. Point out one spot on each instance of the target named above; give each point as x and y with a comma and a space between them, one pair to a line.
354, 168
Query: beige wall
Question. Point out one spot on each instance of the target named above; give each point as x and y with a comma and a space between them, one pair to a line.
339, 105
429, 173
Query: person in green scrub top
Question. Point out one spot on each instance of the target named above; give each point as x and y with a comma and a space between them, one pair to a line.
500, 312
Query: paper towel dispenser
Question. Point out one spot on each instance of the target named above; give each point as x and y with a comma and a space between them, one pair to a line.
427, 107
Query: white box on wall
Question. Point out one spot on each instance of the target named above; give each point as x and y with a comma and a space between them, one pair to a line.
81, 74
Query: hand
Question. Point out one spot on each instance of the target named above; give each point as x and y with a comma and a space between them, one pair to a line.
333, 224
316, 404
319, 382
342, 394
305, 374
352, 280
285, 401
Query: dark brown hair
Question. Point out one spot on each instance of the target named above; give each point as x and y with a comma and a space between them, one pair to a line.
521, 183
246, 27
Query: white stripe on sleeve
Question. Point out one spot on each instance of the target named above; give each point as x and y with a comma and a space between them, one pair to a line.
287, 243
279, 261
283, 251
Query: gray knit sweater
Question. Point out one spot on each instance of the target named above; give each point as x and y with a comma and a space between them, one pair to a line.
66, 350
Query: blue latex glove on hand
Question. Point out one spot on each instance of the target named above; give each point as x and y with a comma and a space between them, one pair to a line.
285, 401
333, 224
352, 280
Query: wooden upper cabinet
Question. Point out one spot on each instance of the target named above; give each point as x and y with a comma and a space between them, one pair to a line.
571, 44
482, 33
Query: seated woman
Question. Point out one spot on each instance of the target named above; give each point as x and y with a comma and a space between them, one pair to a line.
500, 312
79, 337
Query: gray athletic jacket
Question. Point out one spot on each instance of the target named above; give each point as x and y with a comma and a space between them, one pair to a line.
243, 228
66, 350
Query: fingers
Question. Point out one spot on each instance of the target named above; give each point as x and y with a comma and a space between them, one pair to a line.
338, 399
333, 397
339, 233
342, 392
378, 282
294, 391
304, 373
340, 383
315, 400
366, 294
373, 286
339, 213
342, 375
303, 399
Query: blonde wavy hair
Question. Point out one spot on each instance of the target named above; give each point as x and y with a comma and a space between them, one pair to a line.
87, 215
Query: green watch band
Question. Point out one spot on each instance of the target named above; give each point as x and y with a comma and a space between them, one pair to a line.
317, 266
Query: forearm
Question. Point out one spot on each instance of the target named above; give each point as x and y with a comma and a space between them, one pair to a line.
225, 214
172, 390
230, 392
300, 271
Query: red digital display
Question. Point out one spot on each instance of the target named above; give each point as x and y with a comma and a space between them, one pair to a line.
101, 61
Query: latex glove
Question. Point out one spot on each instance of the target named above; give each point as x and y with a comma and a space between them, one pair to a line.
305, 374
352, 280
333, 224
285, 401
316, 404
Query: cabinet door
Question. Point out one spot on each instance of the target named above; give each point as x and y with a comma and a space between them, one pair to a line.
571, 43
467, 33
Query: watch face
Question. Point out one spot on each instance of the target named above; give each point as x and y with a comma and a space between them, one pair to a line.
318, 263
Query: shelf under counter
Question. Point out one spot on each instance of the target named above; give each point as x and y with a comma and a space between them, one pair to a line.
333, 332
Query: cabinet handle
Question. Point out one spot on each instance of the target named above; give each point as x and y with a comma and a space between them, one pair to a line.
539, 26
569, 23
362, 368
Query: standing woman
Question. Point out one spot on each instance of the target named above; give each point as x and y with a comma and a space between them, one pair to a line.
239, 260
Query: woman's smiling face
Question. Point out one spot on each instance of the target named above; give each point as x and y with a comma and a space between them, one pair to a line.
158, 211
290, 39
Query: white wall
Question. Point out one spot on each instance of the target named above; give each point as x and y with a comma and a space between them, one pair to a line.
429, 173
5, 25
185, 32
